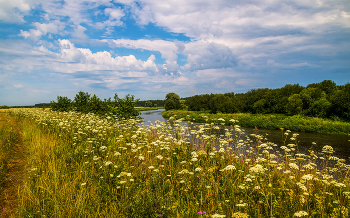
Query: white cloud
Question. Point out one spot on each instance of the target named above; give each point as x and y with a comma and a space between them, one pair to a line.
81, 59
55, 27
204, 55
114, 13
168, 49
79, 33
12, 11
32, 33
18, 86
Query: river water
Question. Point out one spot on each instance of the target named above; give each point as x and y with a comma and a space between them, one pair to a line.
340, 143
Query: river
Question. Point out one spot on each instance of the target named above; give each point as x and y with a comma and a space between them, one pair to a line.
340, 143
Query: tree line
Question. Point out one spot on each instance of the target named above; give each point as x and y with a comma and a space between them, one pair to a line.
324, 99
150, 103
85, 103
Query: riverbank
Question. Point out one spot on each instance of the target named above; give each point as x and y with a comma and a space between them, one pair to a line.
147, 108
84, 165
267, 121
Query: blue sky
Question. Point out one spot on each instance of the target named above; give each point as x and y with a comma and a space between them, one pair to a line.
149, 48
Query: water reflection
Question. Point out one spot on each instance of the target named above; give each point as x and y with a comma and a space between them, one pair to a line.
340, 143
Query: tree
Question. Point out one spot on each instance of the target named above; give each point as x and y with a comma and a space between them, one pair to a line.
4, 107
97, 106
259, 106
172, 101
62, 104
320, 108
341, 102
125, 107
148, 104
295, 105
81, 102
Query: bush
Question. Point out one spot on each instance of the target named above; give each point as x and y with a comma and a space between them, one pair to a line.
123, 107
4, 107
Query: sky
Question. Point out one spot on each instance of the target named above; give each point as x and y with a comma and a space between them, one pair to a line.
148, 48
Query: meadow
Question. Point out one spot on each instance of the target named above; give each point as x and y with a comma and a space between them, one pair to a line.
299, 123
84, 165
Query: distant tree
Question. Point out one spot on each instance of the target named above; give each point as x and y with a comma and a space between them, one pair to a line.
172, 101
97, 106
198, 102
319, 108
295, 105
63, 104
125, 107
341, 102
328, 86
4, 107
81, 102
309, 96
148, 104
260, 106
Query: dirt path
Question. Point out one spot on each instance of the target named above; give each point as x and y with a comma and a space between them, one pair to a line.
14, 174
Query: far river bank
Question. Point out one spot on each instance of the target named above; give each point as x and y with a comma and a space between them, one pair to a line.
266, 121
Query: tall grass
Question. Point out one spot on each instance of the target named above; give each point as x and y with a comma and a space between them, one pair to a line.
88, 166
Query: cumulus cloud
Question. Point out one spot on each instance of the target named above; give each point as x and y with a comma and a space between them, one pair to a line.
83, 59
168, 50
54, 27
211, 55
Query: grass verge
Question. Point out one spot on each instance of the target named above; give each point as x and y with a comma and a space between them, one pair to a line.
147, 108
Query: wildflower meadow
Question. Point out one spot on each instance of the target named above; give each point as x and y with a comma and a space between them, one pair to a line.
84, 165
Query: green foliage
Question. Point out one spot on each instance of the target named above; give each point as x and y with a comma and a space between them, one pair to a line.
324, 99
125, 107
295, 105
341, 102
63, 104
148, 104
172, 101
224, 103
319, 108
97, 106
81, 102
4, 107
155, 103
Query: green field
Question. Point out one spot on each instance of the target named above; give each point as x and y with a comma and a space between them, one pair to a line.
82, 165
